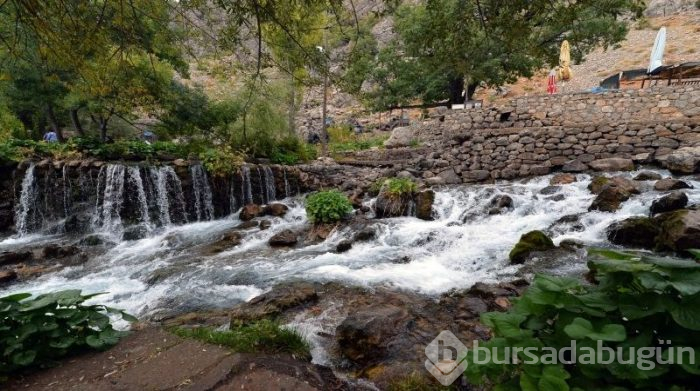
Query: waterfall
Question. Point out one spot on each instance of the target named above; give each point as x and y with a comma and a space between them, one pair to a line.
261, 186
246, 188
203, 206
135, 178
286, 182
107, 214
67, 192
27, 207
269, 184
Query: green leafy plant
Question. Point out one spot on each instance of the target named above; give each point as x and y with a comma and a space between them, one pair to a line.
34, 332
398, 187
222, 161
260, 336
638, 301
327, 206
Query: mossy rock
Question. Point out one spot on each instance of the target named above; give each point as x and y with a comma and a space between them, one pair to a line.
529, 243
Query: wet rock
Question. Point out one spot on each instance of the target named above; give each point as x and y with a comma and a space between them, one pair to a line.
612, 164
671, 184
54, 251
365, 334
250, 212
668, 203
227, 240
286, 238
367, 233
265, 224
424, 204
638, 232
598, 183
343, 246
562, 179
248, 225
393, 205
9, 257
609, 199
647, 176
7, 276
684, 160
279, 299
549, 190
135, 232
529, 243
680, 230
277, 209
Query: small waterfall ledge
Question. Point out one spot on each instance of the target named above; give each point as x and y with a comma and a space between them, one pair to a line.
130, 199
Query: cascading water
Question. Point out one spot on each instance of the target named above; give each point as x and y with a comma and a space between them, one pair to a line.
134, 177
110, 197
26, 213
174, 270
246, 187
203, 206
270, 192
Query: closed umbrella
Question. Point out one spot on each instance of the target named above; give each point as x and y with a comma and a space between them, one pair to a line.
565, 72
552, 83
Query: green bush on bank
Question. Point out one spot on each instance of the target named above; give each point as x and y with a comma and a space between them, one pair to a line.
637, 301
36, 331
327, 206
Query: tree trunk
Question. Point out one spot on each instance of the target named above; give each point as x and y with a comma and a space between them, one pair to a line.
471, 89
51, 117
456, 88
77, 126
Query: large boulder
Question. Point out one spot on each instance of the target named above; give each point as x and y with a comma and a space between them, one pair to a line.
669, 203
671, 184
286, 238
402, 137
393, 205
612, 164
684, 160
530, 242
638, 232
424, 204
366, 334
598, 183
680, 230
610, 198
250, 211
276, 209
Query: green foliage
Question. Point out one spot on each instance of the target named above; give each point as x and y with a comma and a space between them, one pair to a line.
34, 332
260, 336
398, 187
638, 301
441, 44
327, 206
222, 161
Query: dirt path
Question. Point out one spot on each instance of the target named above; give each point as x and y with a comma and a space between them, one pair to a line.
153, 359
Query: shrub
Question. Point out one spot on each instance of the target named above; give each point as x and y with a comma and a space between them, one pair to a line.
261, 336
638, 301
222, 161
327, 206
34, 332
397, 187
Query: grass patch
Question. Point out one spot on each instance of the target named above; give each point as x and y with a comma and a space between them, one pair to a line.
261, 336
417, 382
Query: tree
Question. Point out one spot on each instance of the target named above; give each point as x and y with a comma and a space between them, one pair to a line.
443, 45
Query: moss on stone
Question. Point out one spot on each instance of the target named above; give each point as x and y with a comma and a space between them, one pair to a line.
528, 243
